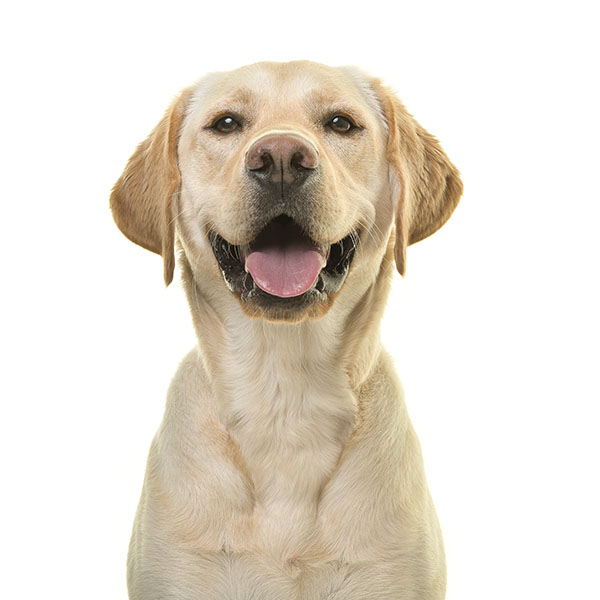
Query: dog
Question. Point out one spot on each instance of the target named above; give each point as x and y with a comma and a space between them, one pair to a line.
286, 466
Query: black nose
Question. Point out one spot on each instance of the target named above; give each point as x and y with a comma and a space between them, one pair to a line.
283, 160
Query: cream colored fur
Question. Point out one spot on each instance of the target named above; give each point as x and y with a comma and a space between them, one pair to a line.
286, 466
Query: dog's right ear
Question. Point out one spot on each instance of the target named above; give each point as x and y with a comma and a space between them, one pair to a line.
142, 200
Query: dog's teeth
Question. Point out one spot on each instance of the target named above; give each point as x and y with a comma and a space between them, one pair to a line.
243, 251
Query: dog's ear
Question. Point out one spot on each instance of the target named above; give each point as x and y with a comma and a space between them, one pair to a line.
429, 184
142, 200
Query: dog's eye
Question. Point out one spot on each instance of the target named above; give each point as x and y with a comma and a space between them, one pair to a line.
225, 124
341, 124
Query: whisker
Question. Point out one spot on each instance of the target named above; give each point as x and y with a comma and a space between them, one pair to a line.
372, 231
182, 212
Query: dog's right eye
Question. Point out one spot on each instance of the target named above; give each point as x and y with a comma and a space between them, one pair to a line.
225, 124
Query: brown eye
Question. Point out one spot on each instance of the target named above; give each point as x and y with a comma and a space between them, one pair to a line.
226, 124
341, 124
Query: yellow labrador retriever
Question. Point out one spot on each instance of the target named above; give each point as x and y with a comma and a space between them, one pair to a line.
286, 466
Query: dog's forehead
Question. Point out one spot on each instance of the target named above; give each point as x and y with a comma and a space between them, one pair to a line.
300, 82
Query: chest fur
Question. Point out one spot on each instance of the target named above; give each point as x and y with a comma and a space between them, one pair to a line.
289, 414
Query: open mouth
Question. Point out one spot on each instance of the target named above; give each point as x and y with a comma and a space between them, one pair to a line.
283, 265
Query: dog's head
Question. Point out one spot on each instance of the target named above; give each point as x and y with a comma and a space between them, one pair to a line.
283, 180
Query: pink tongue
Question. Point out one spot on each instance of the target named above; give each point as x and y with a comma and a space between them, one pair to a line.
285, 272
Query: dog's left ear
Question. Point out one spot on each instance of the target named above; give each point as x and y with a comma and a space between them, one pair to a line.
142, 200
430, 185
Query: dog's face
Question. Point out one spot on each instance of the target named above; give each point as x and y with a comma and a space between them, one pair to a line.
282, 170
283, 180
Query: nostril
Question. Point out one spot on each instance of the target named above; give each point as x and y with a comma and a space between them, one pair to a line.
303, 159
298, 161
266, 162
259, 160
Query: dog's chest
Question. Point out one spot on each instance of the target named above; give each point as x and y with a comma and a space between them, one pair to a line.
290, 425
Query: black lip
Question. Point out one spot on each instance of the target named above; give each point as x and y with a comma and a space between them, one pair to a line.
330, 280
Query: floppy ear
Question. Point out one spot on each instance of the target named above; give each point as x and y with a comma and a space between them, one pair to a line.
430, 185
142, 199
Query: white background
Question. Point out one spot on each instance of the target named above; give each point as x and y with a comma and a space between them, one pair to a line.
494, 329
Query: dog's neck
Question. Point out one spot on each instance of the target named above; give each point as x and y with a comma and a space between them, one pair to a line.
287, 393
285, 400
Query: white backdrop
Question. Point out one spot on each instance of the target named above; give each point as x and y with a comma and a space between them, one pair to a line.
494, 329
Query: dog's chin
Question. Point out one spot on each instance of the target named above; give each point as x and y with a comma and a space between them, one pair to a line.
317, 271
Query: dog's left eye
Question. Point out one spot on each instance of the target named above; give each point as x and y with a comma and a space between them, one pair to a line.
342, 124
225, 124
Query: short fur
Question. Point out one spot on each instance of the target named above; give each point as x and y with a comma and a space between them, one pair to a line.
286, 465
